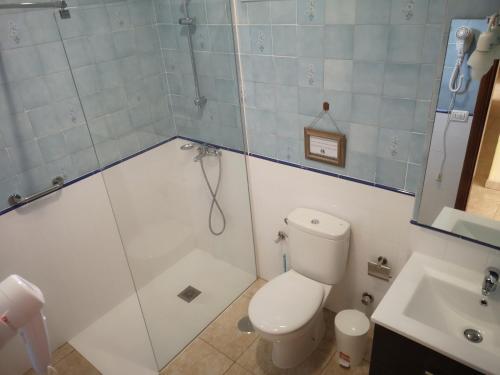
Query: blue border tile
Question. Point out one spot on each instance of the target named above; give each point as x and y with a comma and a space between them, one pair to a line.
95, 171
99, 170
331, 174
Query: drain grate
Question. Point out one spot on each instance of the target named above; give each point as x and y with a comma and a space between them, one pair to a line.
189, 294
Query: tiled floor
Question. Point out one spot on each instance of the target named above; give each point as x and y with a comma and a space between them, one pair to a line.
221, 349
484, 202
67, 361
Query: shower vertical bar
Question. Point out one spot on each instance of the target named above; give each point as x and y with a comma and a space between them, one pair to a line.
187, 21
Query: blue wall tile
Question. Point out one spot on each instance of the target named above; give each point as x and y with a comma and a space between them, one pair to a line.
310, 12
373, 12
401, 80
284, 12
391, 173
340, 12
284, 43
309, 41
370, 42
310, 72
338, 74
368, 77
393, 144
397, 113
338, 41
405, 43
286, 70
366, 109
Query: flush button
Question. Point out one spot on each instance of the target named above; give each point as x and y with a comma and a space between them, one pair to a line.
315, 221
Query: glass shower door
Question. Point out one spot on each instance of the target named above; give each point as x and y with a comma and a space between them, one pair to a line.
67, 242
133, 69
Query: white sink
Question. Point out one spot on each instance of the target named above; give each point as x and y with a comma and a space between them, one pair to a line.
468, 225
433, 302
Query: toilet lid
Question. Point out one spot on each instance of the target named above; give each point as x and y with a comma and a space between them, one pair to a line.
285, 304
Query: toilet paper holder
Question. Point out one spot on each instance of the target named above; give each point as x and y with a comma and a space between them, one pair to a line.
380, 269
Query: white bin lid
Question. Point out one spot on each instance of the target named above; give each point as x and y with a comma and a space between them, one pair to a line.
352, 323
319, 223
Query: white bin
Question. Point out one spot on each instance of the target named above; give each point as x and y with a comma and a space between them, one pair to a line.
351, 332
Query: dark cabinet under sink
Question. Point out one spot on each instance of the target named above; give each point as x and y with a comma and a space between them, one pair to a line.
393, 354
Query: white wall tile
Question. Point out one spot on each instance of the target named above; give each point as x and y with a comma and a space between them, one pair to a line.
67, 244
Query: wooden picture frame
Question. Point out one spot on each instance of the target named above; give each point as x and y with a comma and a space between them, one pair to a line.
325, 146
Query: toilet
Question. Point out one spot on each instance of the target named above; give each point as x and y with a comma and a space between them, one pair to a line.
288, 310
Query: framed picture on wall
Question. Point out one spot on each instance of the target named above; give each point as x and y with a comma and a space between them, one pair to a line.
325, 146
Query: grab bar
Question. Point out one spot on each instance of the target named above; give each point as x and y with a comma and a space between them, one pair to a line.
61, 4
17, 199
49, 4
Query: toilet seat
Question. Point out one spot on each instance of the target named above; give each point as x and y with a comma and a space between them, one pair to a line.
285, 304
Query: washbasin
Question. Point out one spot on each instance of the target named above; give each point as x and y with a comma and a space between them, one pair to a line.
434, 302
454, 307
468, 225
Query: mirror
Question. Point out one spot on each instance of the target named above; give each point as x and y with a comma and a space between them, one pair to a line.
460, 192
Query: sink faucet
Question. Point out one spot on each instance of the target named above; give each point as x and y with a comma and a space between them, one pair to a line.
490, 281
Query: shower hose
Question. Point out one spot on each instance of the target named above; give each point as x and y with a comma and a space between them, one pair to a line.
213, 193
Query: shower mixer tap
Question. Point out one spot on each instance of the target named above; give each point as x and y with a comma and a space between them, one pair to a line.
208, 150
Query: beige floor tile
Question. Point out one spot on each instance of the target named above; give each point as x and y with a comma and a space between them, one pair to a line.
236, 369
483, 201
199, 358
257, 359
259, 283
75, 364
334, 368
223, 333
61, 352
57, 355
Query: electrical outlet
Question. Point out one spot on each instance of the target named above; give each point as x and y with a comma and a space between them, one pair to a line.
459, 116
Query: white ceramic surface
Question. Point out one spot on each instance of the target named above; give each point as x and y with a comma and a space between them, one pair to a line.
351, 336
469, 225
379, 222
433, 301
286, 303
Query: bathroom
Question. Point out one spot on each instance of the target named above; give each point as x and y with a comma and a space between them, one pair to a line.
164, 164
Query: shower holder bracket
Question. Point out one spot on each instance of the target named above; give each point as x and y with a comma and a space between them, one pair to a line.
64, 14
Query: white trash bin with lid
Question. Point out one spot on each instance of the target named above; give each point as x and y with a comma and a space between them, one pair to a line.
351, 333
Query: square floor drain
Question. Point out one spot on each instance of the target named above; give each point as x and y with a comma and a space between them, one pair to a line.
189, 294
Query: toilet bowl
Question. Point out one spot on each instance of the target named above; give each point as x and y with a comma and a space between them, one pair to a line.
288, 310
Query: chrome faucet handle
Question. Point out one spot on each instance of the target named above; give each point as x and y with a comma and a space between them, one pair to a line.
490, 281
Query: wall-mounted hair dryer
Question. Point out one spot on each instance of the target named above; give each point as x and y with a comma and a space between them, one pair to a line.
21, 305
464, 37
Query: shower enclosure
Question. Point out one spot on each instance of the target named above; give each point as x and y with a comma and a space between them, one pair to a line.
122, 161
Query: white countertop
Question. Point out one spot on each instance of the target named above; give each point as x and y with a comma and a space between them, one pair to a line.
445, 299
